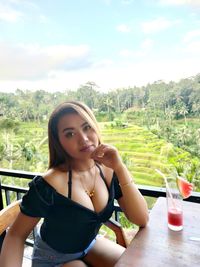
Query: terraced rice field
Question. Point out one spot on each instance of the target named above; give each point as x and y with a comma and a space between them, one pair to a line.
141, 152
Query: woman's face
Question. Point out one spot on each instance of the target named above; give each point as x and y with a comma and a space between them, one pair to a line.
76, 136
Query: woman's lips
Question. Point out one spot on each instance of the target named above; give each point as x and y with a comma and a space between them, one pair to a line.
87, 148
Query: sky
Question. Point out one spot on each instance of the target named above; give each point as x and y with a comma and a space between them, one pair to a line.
63, 44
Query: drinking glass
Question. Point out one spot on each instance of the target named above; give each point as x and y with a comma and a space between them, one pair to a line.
174, 207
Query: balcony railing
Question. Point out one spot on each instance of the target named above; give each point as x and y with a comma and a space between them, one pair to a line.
10, 193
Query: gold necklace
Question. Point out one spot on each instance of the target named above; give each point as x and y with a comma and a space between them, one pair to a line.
90, 168
90, 194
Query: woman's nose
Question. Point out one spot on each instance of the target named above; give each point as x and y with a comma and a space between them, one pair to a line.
83, 137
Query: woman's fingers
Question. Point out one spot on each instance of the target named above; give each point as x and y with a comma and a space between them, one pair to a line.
103, 151
99, 151
107, 155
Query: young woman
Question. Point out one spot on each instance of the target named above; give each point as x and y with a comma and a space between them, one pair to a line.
75, 196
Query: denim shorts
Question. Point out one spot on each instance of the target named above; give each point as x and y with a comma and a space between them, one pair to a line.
45, 256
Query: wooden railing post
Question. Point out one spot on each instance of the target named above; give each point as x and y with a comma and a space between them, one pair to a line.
1, 207
1, 197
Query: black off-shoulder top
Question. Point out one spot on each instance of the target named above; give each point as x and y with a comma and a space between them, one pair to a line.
68, 227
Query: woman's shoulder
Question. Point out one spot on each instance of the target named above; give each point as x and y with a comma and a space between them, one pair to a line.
55, 177
39, 198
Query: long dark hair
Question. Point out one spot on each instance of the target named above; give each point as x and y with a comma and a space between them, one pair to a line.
57, 155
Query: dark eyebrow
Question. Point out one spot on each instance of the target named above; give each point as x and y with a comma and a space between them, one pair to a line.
85, 123
71, 128
67, 129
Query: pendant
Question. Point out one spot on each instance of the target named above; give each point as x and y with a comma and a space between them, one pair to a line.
90, 194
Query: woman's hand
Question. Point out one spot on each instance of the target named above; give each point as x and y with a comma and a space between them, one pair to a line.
131, 196
107, 155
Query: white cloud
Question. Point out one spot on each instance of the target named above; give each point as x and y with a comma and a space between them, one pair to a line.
123, 28
43, 19
112, 77
147, 44
191, 42
126, 2
127, 53
13, 11
181, 2
125, 75
107, 2
157, 25
191, 35
145, 48
192, 48
33, 61
21, 3
8, 14
103, 63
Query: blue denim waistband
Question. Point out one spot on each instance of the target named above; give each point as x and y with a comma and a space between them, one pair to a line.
45, 256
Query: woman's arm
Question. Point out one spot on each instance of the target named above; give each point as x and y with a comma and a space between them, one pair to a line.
13, 245
132, 202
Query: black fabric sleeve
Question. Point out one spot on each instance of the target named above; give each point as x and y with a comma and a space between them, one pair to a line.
117, 188
39, 199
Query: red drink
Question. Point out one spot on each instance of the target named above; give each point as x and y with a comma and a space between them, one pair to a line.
175, 219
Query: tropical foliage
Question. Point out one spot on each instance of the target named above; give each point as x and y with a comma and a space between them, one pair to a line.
156, 126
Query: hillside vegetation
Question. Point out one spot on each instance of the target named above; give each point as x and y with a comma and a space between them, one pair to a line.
154, 126
143, 152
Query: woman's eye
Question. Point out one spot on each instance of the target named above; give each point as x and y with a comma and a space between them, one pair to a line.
87, 127
69, 134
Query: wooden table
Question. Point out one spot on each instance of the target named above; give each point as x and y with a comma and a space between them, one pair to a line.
158, 246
